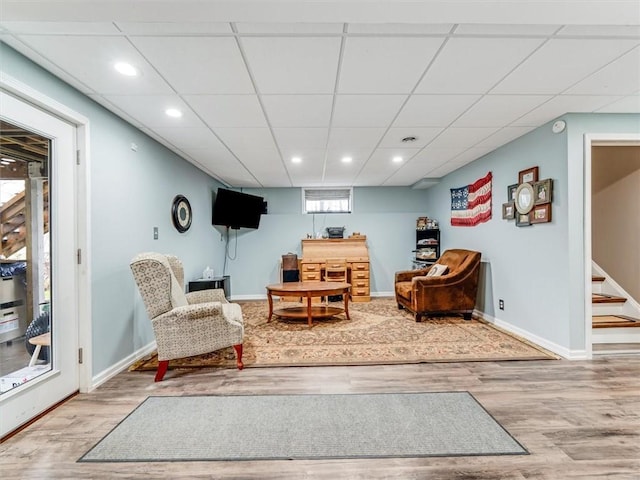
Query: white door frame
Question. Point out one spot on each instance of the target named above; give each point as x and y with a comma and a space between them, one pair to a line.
590, 140
82, 186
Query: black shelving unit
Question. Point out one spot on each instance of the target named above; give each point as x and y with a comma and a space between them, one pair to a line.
427, 249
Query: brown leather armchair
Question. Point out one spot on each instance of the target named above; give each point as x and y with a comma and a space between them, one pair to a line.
452, 292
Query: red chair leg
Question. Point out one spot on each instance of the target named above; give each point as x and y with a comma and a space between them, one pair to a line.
163, 365
238, 349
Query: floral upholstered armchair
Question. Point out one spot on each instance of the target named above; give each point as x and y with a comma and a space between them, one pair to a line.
184, 324
446, 287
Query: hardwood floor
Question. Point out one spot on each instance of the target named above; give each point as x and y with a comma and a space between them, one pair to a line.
578, 420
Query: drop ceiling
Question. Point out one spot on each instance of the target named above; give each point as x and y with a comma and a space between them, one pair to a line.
261, 82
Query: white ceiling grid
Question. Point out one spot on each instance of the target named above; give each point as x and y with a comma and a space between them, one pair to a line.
255, 92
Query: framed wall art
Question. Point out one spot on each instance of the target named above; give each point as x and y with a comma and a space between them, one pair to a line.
542, 191
511, 192
530, 175
508, 211
523, 219
541, 213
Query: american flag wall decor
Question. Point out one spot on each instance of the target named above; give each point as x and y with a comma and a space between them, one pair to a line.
471, 204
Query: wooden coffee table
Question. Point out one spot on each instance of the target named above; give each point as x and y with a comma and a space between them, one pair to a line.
308, 290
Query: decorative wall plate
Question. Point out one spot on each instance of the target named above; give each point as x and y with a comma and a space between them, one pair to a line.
524, 198
181, 213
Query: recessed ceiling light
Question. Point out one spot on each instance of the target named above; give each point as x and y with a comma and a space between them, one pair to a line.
409, 139
173, 112
126, 69
9, 160
397, 159
296, 160
347, 159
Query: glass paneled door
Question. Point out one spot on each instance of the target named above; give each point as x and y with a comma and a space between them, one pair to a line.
38, 270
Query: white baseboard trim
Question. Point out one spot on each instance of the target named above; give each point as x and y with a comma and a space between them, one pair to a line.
542, 342
122, 365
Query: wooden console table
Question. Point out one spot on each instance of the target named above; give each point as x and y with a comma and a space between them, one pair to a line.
315, 253
308, 290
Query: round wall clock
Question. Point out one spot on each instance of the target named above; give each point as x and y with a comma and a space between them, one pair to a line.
524, 198
181, 213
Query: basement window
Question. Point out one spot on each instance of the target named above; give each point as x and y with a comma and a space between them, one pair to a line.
326, 200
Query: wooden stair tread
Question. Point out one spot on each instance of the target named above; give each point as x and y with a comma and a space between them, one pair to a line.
604, 298
614, 321
597, 278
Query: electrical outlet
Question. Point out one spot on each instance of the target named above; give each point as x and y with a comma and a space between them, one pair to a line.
155, 233
501, 304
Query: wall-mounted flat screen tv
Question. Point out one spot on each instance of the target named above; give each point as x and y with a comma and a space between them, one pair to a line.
237, 209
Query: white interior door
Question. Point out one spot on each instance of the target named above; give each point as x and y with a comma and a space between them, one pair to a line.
24, 402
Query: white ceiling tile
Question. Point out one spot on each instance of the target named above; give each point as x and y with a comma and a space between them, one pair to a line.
424, 135
563, 104
358, 158
296, 141
223, 165
461, 138
66, 28
505, 30
499, 110
255, 148
400, 28
630, 104
93, 60
289, 28
474, 65
561, 63
355, 138
183, 138
228, 110
385, 64
381, 166
433, 110
470, 155
312, 166
198, 65
445, 169
366, 110
150, 110
621, 77
298, 110
311, 158
295, 66
290, 65
503, 136
601, 30
432, 156
410, 172
174, 28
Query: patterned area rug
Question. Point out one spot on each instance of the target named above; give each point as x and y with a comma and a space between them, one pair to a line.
378, 333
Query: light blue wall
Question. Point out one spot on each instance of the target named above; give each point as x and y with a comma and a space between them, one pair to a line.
387, 216
130, 193
538, 270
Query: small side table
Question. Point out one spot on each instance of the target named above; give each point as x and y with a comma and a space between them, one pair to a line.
223, 282
40, 341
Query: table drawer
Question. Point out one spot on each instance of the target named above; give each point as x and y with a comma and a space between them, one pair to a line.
360, 292
311, 267
360, 283
311, 276
359, 275
360, 267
